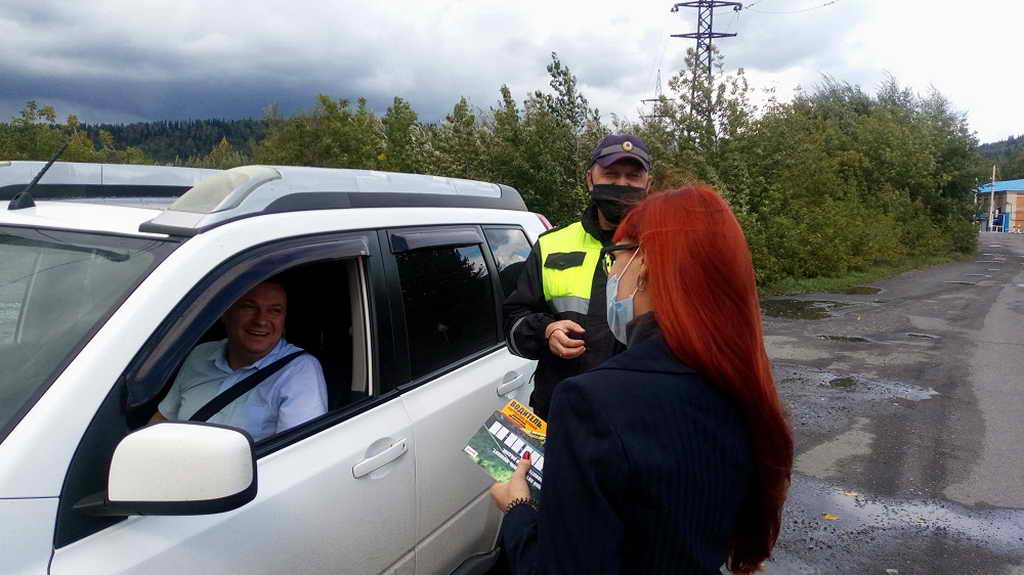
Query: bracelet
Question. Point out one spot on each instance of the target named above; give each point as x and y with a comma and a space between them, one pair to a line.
520, 501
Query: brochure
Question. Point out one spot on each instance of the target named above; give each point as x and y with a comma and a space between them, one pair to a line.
500, 442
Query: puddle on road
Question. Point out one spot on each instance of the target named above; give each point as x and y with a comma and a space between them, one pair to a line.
842, 382
822, 403
800, 309
860, 290
823, 461
859, 516
846, 338
961, 283
852, 386
922, 335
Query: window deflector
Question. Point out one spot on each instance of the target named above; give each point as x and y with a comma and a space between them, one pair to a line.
361, 374
407, 240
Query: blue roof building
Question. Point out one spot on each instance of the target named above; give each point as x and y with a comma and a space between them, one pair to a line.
1000, 199
1002, 186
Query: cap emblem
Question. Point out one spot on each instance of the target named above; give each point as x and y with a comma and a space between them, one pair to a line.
627, 146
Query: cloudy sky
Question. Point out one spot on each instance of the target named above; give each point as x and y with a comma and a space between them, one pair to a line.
130, 60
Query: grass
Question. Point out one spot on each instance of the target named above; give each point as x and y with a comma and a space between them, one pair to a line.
793, 286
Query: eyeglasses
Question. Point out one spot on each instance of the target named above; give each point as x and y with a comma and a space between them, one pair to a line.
608, 254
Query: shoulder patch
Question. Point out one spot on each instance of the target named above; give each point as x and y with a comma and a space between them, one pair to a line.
564, 260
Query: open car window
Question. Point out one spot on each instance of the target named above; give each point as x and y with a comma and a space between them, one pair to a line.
316, 315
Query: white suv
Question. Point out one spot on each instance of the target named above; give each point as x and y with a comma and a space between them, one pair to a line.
396, 284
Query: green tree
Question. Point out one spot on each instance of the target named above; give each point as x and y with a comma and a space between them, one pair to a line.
333, 135
35, 134
695, 133
543, 149
458, 149
400, 125
223, 156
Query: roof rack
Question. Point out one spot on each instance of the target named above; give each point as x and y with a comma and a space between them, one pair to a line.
83, 180
249, 191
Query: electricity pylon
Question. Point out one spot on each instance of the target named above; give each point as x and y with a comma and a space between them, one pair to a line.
704, 35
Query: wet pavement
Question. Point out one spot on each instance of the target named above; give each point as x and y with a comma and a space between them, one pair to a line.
907, 403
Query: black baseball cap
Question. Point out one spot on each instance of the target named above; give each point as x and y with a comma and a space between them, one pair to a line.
615, 147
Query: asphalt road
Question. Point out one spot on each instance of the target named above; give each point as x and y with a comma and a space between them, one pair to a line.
908, 411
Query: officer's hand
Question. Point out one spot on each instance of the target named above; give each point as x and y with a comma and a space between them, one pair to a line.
559, 342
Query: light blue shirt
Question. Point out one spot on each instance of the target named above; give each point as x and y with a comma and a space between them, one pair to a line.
293, 395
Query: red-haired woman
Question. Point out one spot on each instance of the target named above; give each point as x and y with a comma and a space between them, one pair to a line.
674, 456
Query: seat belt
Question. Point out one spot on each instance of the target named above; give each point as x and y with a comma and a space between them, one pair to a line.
232, 393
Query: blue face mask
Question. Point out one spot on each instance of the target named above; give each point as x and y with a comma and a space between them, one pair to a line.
620, 312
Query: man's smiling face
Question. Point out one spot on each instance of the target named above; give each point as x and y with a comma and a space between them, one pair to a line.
255, 322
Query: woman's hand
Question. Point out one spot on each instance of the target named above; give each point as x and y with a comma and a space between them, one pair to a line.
514, 488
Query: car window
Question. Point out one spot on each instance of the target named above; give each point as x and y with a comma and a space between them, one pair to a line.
317, 308
55, 288
510, 248
14, 279
449, 305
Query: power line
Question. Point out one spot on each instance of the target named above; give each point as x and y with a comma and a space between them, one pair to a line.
661, 58
657, 81
734, 25
798, 11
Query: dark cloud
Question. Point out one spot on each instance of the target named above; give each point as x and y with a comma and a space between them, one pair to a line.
123, 60
191, 59
154, 99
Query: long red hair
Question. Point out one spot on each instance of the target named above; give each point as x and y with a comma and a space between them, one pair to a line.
701, 283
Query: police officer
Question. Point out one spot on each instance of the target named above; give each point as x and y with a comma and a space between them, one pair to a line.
557, 313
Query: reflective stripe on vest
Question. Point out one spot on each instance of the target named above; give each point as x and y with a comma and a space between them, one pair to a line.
569, 303
568, 290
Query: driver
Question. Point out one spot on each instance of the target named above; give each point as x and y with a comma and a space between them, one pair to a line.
255, 323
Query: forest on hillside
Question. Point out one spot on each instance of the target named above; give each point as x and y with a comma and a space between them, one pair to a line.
1006, 155
168, 142
837, 180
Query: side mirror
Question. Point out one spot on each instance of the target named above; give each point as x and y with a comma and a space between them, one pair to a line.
174, 468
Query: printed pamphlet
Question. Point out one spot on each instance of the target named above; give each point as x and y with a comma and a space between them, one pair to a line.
500, 442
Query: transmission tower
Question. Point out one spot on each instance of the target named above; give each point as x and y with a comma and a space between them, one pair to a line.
704, 35
655, 100
705, 27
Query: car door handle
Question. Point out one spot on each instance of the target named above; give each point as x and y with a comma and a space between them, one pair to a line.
371, 464
511, 382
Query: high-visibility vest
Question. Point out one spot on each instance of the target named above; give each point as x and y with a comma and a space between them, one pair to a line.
567, 283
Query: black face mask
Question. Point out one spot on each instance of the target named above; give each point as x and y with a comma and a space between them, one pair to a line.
615, 201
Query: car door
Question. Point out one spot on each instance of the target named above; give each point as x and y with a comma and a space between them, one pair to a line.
447, 295
335, 495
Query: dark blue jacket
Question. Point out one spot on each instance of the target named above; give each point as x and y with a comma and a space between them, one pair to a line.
645, 467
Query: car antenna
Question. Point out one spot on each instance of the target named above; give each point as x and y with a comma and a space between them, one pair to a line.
23, 199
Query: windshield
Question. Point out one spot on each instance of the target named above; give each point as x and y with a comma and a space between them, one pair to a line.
56, 288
